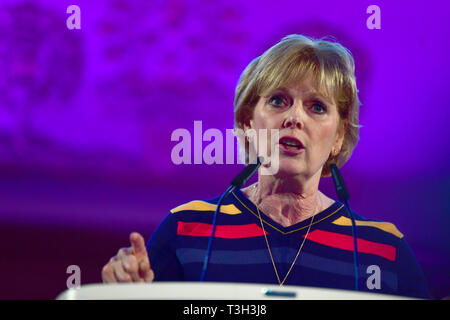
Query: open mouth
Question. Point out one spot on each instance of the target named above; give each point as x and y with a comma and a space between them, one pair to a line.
291, 143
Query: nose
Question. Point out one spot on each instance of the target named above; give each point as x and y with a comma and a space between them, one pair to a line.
294, 117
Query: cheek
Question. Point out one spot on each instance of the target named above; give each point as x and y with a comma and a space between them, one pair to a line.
264, 119
261, 121
325, 139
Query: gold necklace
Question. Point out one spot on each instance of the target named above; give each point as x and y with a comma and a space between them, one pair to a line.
270, 252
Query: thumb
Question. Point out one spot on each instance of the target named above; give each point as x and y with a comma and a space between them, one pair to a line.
138, 245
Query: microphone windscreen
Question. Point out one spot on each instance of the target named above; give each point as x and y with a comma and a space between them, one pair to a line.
245, 174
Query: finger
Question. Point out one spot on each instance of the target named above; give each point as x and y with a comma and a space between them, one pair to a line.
144, 265
146, 272
129, 263
123, 252
130, 266
108, 274
120, 273
138, 245
150, 276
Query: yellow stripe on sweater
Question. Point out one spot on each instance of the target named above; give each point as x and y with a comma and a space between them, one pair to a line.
198, 205
385, 226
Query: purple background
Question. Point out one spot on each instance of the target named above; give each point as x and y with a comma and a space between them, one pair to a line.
86, 118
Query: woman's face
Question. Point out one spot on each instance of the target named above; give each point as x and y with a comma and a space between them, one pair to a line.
308, 124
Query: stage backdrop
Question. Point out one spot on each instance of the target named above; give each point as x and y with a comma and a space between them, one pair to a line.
91, 94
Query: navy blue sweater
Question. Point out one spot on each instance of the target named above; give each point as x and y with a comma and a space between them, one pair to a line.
240, 252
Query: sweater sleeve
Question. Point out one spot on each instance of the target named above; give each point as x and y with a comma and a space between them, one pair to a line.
161, 249
411, 279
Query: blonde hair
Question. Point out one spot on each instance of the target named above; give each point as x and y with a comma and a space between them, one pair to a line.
288, 62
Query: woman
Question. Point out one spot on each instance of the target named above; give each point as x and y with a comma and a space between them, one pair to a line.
282, 229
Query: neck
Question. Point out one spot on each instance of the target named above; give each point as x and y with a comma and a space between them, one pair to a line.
287, 200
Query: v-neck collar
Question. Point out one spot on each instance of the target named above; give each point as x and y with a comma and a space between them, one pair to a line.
250, 207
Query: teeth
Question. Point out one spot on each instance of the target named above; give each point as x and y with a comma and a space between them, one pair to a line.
290, 143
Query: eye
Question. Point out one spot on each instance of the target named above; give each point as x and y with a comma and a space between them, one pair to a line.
278, 101
319, 107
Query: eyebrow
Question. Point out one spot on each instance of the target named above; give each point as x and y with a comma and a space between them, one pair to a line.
310, 94
319, 95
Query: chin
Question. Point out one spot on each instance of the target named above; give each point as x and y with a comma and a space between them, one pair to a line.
290, 168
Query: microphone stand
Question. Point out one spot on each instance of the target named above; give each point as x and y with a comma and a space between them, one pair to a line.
344, 196
237, 183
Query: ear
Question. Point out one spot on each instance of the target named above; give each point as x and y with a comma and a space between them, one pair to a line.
247, 115
340, 134
248, 124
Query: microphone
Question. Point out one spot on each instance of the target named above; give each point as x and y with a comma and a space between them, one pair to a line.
344, 196
339, 183
236, 183
246, 174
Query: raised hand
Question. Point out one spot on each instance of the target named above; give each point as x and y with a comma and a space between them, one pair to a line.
131, 264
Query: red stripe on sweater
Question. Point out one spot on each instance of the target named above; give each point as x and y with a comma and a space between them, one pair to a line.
198, 229
345, 242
